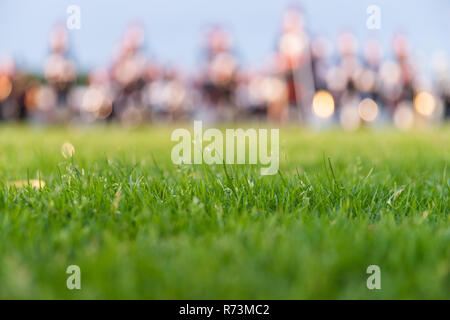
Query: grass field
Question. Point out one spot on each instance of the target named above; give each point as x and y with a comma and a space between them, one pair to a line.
140, 227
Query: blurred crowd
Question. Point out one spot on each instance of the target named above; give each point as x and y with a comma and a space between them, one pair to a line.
308, 80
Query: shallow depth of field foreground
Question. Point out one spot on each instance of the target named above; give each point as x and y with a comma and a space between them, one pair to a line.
140, 227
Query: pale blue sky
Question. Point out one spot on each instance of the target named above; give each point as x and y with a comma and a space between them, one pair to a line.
173, 27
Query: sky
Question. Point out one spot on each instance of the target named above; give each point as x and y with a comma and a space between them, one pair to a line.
174, 28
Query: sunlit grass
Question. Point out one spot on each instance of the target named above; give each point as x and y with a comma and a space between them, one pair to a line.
140, 227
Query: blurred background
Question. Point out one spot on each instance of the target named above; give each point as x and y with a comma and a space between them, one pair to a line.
315, 63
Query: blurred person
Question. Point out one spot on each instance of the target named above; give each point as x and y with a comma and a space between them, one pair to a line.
343, 78
169, 96
294, 64
153, 76
128, 74
218, 81
60, 75
96, 100
342, 81
249, 95
14, 85
398, 76
276, 96
320, 51
367, 81
441, 68
368, 75
8, 105
407, 68
264, 95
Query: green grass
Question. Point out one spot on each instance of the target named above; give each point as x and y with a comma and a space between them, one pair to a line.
140, 227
